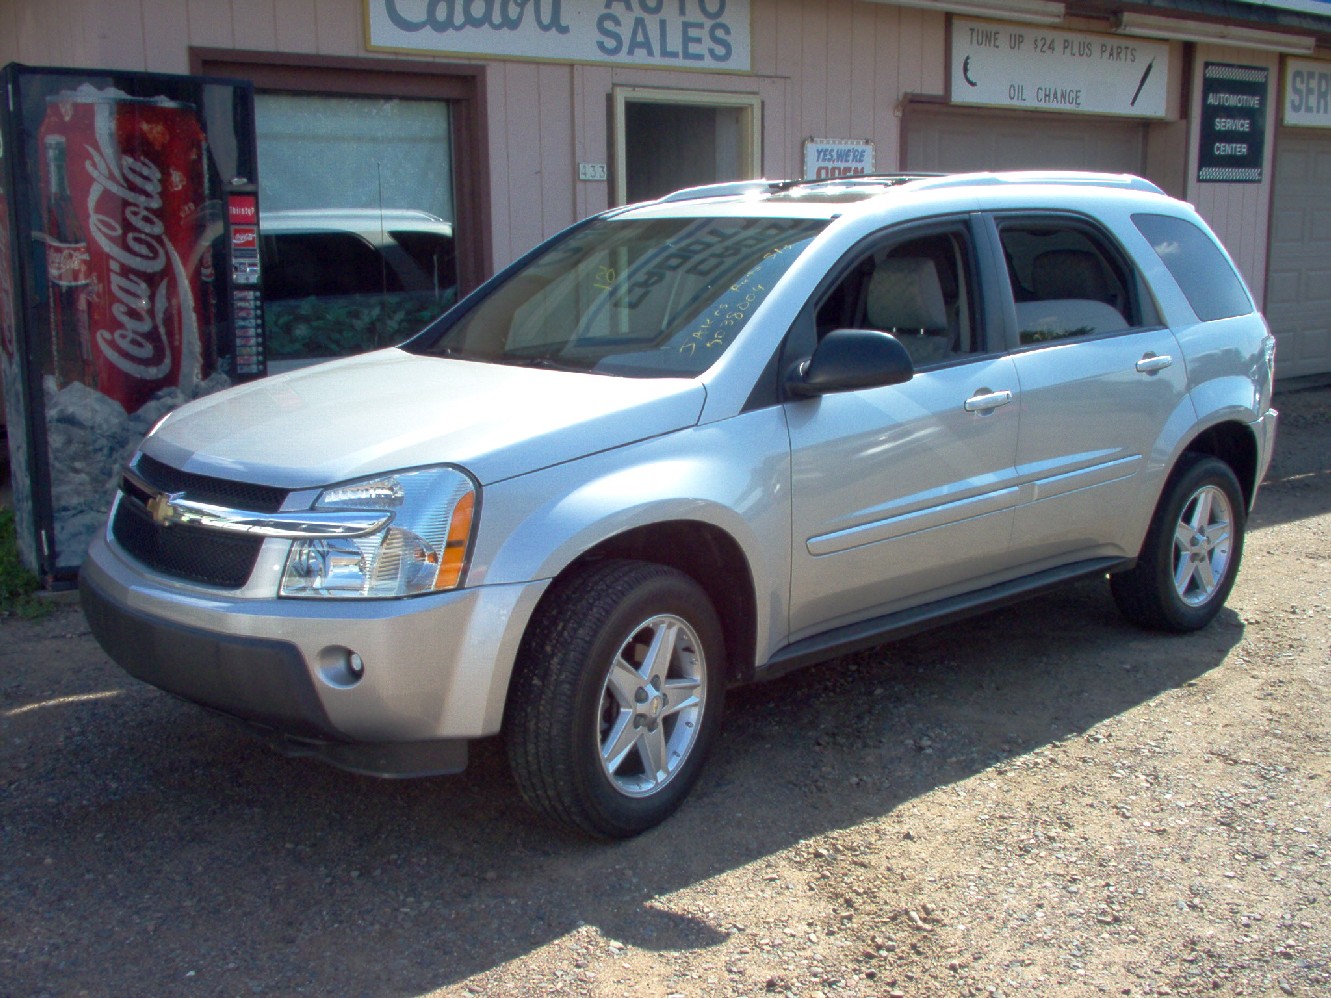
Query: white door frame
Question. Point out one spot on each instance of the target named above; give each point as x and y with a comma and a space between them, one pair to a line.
751, 123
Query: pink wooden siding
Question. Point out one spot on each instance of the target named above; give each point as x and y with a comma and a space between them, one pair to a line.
1238, 212
845, 66
9, 33
292, 35
591, 143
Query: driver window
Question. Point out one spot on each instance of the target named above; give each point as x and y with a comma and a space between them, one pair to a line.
920, 291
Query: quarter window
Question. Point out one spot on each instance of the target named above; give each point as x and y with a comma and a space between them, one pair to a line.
1204, 274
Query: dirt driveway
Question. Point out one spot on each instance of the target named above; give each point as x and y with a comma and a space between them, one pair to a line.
1040, 801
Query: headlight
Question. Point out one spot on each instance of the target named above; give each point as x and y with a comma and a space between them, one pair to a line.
423, 548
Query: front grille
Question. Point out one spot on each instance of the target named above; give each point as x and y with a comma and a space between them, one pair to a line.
184, 551
205, 488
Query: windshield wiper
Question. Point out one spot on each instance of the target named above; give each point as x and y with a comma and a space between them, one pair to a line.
541, 362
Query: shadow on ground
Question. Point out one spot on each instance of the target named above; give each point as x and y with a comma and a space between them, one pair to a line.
149, 849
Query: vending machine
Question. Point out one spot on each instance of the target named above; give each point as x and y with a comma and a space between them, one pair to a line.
129, 280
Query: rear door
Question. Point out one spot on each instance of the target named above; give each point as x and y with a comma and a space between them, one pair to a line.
902, 493
1100, 378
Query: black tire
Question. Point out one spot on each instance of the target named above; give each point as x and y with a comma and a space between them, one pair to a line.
1192, 551
565, 714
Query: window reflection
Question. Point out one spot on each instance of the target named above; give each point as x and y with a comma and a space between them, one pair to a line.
357, 209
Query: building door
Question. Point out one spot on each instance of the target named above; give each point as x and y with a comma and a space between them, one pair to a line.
948, 139
669, 139
1298, 286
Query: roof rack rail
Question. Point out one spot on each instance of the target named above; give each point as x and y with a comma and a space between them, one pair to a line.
1123, 181
736, 188
919, 180
854, 179
732, 188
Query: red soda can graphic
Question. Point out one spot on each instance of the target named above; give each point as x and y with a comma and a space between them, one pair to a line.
133, 191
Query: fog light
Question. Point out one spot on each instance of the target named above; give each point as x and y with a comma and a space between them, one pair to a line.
341, 667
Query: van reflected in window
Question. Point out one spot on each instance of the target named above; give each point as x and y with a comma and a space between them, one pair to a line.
341, 282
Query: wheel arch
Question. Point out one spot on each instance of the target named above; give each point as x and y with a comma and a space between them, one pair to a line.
712, 558
1235, 444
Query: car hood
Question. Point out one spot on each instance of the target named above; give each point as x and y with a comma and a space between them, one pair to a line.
390, 409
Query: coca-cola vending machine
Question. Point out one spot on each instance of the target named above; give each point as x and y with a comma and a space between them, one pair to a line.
129, 279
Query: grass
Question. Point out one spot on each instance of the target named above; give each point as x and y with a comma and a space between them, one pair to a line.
18, 586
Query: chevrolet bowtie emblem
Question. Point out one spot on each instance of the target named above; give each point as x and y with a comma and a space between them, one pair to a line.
160, 508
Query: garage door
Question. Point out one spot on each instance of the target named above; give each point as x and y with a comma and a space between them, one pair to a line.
950, 139
1298, 288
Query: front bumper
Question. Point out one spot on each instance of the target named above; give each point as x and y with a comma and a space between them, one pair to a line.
435, 668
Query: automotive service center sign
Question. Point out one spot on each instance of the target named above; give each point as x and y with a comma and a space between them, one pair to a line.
1041, 69
676, 34
1233, 123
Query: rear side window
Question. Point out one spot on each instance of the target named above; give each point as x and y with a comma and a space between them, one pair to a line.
1066, 280
1203, 272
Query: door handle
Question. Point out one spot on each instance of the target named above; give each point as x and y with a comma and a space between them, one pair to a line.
986, 401
1151, 363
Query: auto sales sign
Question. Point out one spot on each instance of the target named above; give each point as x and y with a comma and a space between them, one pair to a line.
679, 34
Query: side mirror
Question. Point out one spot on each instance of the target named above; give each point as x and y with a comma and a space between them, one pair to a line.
847, 359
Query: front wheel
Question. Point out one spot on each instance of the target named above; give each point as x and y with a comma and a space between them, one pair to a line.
616, 697
1191, 553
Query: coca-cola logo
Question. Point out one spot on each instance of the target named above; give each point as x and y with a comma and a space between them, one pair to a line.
124, 213
68, 264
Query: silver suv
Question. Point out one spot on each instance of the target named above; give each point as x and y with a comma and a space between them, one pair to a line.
694, 443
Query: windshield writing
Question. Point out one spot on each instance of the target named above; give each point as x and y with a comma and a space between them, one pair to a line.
662, 297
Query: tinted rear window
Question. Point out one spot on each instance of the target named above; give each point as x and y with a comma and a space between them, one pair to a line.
1203, 272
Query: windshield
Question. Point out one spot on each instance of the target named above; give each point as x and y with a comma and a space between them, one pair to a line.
643, 298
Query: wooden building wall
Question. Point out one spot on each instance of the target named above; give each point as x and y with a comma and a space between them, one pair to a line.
822, 69
837, 69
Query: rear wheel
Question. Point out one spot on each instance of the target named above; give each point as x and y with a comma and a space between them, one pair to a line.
616, 697
1191, 554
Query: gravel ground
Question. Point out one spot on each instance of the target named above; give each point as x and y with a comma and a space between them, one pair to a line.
1039, 801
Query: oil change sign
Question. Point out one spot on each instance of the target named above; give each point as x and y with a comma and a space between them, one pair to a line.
1039, 69
1233, 120
678, 34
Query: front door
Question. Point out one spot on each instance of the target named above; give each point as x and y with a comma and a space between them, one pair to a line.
903, 493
